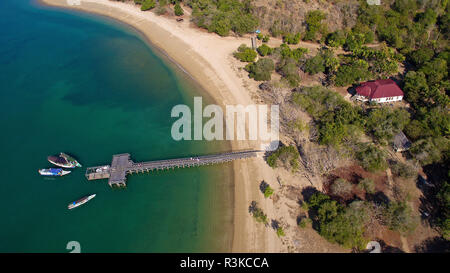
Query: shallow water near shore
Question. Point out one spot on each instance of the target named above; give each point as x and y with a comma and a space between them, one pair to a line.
89, 86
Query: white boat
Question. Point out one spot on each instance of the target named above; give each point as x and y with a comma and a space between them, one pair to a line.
102, 169
53, 172
81, 201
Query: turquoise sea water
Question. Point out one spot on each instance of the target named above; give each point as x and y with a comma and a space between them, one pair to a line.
92, 87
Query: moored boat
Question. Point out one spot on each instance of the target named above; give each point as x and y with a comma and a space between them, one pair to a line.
81, 201
70, 159
60, 161
53, 172
102, 169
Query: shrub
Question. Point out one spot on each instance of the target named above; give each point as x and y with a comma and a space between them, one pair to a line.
284, 50
332, 133
382, 62
160, 10
339, 224
341, 187
304, 222
405, 6
435, 71
242, 24
354, 72
148, 4
371, 158
178, 10
324, 61
403, 170
336, 39
258, 213
336, 118
414, 130
286, 154
314, 24
245, 54
280, 232
260, 216
384, 123
354, 41
275, 29
367, 33
427, 18
315, 65
268, 191
430, 150
264, 50
398, 217
222, 17
289, 70
421, 56
345, 230
443, 197
292, 39
298, 53
416, 88
261, 70
367, 185
221, 24
298, 125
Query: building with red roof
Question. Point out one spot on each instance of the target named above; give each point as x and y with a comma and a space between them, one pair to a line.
379, 91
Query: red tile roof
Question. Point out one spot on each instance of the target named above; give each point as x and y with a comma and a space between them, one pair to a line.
379, 89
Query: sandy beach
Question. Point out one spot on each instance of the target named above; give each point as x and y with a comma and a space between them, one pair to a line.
207, 58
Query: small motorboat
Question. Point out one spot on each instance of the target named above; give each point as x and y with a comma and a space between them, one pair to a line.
53, 172
60, 161
81, 201
70, 159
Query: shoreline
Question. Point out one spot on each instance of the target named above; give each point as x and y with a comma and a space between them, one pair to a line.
204, 57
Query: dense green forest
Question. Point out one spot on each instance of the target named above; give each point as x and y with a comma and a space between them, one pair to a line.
412, 33
345, 224
406, 40
223, 16
409, 33
220, 16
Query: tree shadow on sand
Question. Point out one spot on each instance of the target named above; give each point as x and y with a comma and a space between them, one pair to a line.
253, 207
433, 245
385, 248
379, 198
307, 193
275, 224
263, 186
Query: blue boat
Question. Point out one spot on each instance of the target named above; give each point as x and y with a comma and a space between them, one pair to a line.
53, 172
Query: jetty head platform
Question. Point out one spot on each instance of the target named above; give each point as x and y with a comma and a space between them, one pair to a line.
121, 165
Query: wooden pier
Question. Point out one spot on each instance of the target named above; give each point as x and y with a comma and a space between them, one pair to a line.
122, 165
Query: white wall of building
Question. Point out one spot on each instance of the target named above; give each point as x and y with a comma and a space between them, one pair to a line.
380, 100
388, 99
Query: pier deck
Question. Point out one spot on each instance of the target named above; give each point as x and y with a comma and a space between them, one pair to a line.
122, 165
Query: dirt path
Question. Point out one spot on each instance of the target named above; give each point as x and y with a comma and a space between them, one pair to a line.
405, 245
